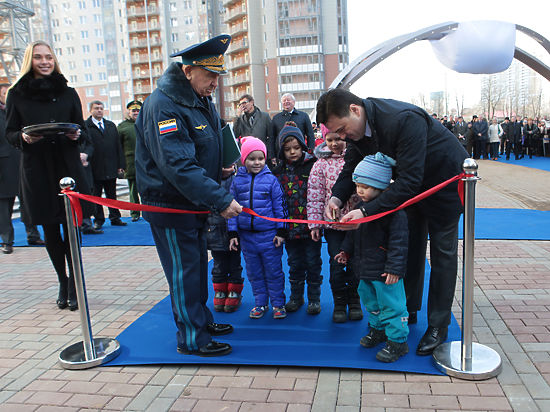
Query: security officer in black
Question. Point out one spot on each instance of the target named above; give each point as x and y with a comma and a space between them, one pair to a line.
179, 150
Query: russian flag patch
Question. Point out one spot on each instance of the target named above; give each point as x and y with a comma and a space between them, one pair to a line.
167, 126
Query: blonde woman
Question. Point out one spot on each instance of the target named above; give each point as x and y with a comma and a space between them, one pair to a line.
41, 95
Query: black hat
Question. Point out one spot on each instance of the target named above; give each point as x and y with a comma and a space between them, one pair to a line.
208, 54
134, 104
474, 116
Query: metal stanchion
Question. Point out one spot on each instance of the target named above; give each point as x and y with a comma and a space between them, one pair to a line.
91, 351
467, 359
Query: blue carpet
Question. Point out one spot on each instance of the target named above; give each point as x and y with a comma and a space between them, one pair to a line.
542, 163
512, 224
298, 340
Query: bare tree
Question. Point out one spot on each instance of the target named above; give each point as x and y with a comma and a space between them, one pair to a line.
492, 93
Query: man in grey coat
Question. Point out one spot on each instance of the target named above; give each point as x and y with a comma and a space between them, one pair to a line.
251, 121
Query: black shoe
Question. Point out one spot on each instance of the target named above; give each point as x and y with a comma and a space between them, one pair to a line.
62, 296
135, 218
413, 318
98, 226
294, 304
92, 231
313, 308
118, 222
7, 248
373, 338
431, 340
392, 351
73, 305
212, 349
36, 242
217, 329
340, 314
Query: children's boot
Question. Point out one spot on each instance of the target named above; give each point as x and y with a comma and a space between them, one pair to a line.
233, 300
392, 351
313, 298
340, 314
354, 304
220, 296
296, 299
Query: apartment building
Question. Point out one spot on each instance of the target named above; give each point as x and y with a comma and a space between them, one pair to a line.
283, 46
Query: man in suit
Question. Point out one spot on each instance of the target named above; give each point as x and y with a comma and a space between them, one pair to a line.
107, 161
460, 130
289, 113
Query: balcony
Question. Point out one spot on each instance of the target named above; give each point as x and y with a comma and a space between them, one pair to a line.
144, 74
144, 59
142, 43
230, 2
237, 29
235, 81
141, 11
238, 63
235, 13
238, 46
135, 28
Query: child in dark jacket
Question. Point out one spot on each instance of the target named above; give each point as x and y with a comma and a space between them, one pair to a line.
378, 251
226, 270
304, 254
261, 240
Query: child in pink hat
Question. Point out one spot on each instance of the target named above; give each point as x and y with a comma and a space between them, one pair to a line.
261, 240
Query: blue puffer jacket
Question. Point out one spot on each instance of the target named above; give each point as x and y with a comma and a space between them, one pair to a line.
261, 193
179, 150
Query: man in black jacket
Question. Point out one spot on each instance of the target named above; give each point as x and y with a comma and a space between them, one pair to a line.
251, 121
290, 114
107, 161
426, 154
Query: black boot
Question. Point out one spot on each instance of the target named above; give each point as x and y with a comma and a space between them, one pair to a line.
340, 314
313, 298
72, 300
296, 299
354, 304
62, 295
392, 351
373, 338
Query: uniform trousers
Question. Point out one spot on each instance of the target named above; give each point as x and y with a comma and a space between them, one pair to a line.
133, 196
387, 308
443, 260
184, 258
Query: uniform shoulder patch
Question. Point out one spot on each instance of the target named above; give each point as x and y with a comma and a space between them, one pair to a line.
200, 127
167, 126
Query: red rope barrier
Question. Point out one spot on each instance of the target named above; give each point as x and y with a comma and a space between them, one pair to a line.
119, 204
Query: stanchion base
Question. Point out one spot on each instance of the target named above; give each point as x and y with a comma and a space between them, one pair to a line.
74, 357
485, 362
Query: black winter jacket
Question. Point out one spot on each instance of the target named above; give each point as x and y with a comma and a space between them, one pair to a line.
108, 156
378, 247
45, 100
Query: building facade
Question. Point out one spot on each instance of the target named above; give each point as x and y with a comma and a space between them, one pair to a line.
283, 46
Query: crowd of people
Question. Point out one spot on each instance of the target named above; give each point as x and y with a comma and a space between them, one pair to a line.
522, 136
361, 157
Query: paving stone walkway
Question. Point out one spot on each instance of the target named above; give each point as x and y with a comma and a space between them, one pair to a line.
511, 315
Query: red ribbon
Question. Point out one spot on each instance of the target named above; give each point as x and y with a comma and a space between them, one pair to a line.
119, 204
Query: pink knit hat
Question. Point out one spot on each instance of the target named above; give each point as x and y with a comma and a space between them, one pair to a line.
250, 144
324, 130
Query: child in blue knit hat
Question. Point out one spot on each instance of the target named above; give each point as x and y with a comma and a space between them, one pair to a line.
377, 251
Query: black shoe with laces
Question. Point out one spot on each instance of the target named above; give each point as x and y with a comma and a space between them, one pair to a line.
392, 351
211, 349
294, 304
373, 338
313, 308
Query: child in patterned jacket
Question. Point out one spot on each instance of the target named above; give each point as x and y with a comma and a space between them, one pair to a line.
324, 173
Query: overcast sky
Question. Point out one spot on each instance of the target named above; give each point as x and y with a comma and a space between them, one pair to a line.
415, 69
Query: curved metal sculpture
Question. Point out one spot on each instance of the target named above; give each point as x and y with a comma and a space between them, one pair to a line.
379, 53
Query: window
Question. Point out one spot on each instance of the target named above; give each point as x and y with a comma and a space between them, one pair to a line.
96, 3
57, 37
81, 5
188, 20
87, 62
190, 35
175, 37
69, 36
101, 61
88, 77
82, 19
68, 21
85, 49
59, 52
73, 79
90, 92
70, 50
103, 91
102, 76
55, 23
84, 34
187, 5
173, 6
99, 46
98, 33
173, 22
97, 18
66, 6
72, 65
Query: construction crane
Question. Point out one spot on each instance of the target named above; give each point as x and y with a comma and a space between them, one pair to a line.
15, 35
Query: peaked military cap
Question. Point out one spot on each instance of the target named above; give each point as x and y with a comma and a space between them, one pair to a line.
208, 54
134, 104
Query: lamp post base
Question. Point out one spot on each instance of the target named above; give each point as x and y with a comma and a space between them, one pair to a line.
74, 357
485, 362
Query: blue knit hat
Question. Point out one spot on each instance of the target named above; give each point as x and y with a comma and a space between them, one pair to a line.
374, 170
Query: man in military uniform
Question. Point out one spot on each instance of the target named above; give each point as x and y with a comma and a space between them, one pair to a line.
179, 165
127, 133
